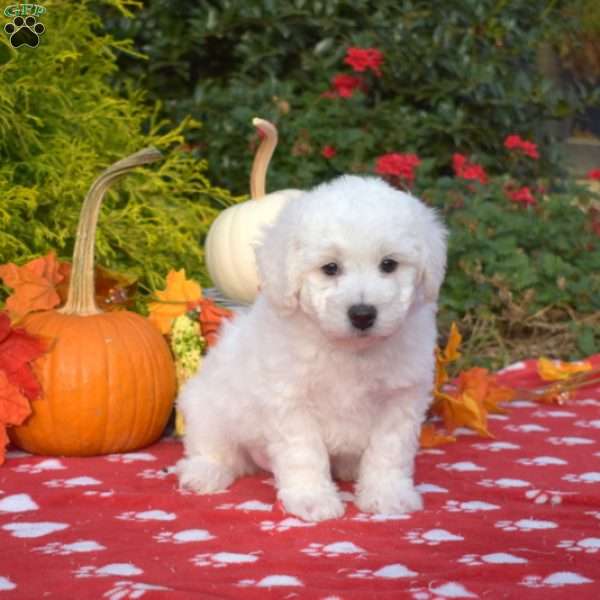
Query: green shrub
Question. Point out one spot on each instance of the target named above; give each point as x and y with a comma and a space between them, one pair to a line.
61, 123
461, 76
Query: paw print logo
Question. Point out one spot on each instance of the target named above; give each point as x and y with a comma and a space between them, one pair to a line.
587, 545
24, 31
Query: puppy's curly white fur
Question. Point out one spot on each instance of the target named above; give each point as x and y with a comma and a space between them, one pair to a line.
329, 374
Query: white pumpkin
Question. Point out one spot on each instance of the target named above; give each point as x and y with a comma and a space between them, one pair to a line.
229, 247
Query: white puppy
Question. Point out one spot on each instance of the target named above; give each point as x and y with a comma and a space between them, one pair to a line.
331, 370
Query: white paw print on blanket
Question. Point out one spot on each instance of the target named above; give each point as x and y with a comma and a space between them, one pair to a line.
525, 525
594, 424
147, 515
131, 457
6, 584
50, 464
33, 530
590, 477
542, 461
395, 571
589, 545
553, 497
445, 590
433, 537
504, 483
156, 473
112, 569
496, 446
461, 467
569, 441
495, 558
554, 414
58, 549
73, 482
248, 505
16, 503
125, 590
379, 518
99, 493
224, 559
526, 428
271, 581
469, 507
334, 550
184, 537
284, 525
558, 579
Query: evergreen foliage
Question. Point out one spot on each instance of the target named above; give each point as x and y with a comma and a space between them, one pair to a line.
62, 123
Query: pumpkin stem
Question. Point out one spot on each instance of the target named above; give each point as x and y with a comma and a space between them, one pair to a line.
262, 158
81, 299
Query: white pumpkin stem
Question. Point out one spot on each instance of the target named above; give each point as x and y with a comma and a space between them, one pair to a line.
82, 290
262, 158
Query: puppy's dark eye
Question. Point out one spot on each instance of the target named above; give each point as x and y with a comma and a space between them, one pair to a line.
388, 265
330, 269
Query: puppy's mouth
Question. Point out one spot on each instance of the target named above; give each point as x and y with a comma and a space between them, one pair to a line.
359, 340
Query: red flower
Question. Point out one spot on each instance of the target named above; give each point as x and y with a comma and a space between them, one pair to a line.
594, 174
398, 165
465, 169
344, 86
514, 142
364, 59
328, 152
523, 196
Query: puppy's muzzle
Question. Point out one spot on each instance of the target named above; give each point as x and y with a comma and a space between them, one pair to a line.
362, 316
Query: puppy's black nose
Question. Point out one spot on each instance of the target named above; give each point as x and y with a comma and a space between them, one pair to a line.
362, 316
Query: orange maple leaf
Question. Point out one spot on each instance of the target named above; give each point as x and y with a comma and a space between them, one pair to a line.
431, 437
173, 300
14, 409
557, 370
34, 285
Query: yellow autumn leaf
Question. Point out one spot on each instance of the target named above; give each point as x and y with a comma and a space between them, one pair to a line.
449, 354
173, 300
557, 370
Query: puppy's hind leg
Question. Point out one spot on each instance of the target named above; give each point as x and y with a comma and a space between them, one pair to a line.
212, 459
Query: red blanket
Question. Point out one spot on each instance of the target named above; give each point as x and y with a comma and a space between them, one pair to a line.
517, 516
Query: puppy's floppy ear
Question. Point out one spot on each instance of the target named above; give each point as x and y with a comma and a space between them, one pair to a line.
278, 262
433, 236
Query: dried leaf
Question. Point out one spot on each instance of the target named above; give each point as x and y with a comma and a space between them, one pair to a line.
17, 350
449, 354
557, 370
173, 300
33, 284
431, 437
210, 317
14, 409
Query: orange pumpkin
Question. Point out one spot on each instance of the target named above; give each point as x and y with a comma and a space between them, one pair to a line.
108, 379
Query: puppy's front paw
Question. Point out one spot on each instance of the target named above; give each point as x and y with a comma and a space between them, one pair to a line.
312, 505
389, 497
203, 476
